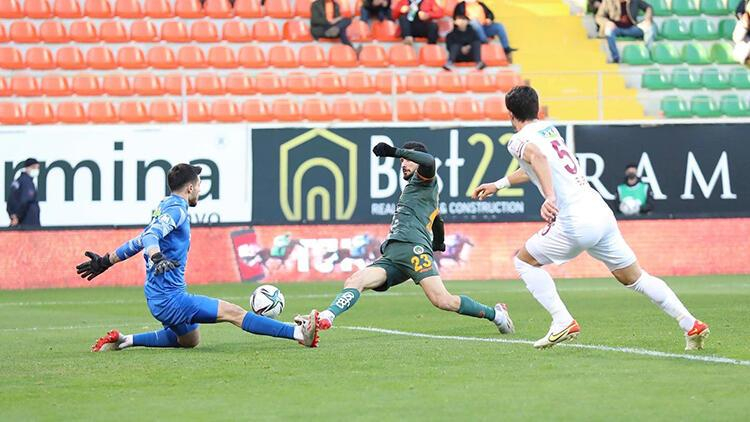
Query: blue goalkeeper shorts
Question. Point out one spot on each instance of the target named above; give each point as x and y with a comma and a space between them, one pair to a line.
182, 311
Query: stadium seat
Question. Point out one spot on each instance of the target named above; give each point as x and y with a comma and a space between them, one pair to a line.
402, 55
377, 109
83, 31
346, 109
297, 31
255, 110
449, 6
712, 78
433, 55
37, 58
312, 56
113, 32
102, 113
445, 26
68, 9
11, 9
654, 79
505, 81
676, 29
218, 9
685, 7
495, 109
128, 9
191, 57
248, 9
721, 53
3, 34
420, 82
10, 58
740, 78
131, 57
704, 106
100, 9
674, 107
239, 83
385, 81
235, 31
386, 31
252, 57
359, 83
407, 109
178, 84
282, 56
165, 111
34, 9
133, 112
316, 110
198, 112
11, 113
437, 108
24, 86
70, 58
174, 31
726, 28
302, 8
143, 31
204, 31
189, 9
342, 56
660, 7
665, 53
345, 7
451, 82
279, 9
329, 83
38, 113
494, 55
225, 111
704, 29
147, 84
158, 9
299, 83
359, 31
695, 54
222, 57
269, 83
684, 78
117, 84
87, 85
5, 88
479, 81
23, 31
733, 106
715, 7
285, 110
162, 57
71, 112
266, 31
373, 55
636, 55
100, 58
208, 83
467, 108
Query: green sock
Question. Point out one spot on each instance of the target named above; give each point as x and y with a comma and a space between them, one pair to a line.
344, 300
473, 308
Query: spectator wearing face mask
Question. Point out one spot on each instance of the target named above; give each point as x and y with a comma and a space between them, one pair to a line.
634, 196
23, 207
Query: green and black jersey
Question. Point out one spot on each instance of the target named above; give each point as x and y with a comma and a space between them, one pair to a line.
416, 210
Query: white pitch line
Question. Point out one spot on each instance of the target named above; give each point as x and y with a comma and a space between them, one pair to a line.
78, 327
629, 350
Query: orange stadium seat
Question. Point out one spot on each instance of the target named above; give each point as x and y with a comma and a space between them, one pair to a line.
316, 110
494, 55
158, 9
5, 88
208, 83
225, 111
373, 55
299, 83
266, 31
384, 82
407, 109
448, 6
285, 110
68, 9
248, 9
24, 86
162, 57
218, 9
239, 83
437, 108
143, 31
117, 84
222, 57
23, 31
189, 9
34, 9
255, 110
269, 83
129, 9
252, 57
70, 58
10, 9
38, 113
359, 83
346, 109
359, 31
505, 81
204, 31
329, 83
87, 84
53, 32
178, 84
133, 112
131, 57
445, 26
174, 31
467, 108
387, 31
83, 31
312, 56
198, 112
451, 82
113, 32
340, 55
11, 114
494, 108
433, 55
345, 7
403, 55
98, 9
102, 113
302, 8
377, 109
10, 58
235, 31
38, 58
479, 81
191, 57
147, 84
420, 82
279, 9
3, 34
165, 111
297, 31
55, 85
282, 56
70, 112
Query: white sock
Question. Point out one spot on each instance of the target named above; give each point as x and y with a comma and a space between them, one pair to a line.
327, 315
657, 290
541, 286
298, 333
126, 341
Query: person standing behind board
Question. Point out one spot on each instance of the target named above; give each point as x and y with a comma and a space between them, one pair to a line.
23, 207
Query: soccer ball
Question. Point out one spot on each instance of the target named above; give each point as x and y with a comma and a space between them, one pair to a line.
630, 206
267, 300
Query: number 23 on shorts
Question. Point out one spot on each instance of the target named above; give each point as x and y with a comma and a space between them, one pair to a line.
421, 262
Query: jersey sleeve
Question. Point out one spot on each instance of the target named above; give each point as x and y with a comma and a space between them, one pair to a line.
516, 146
170, 218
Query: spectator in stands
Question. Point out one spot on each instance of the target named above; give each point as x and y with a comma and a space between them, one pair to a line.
741, 37
740, 10
634, 196
464, 44
417, 19
23, 207
482, 20
619, 18
381, 9
592, 6
326, 21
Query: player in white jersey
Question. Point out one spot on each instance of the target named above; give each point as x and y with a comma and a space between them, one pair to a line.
577, 219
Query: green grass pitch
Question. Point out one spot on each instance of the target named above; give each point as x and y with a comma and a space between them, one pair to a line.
48, 373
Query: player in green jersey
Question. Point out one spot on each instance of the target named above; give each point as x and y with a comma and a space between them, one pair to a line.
416, 231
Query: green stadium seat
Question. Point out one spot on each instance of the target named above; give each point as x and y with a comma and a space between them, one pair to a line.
661, 8
695, 54
733, 106
674, 107
721, 53
685, 7
666, 53
740, 78
675, 29
636, 54
726, 27
715, 7
684, 78
712, 78
653, 79
704, 29
704, 106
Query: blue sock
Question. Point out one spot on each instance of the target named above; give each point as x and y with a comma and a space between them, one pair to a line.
258, 324
163, 338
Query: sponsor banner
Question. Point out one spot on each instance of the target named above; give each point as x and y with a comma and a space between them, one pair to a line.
98, 175
331, 176
694, 170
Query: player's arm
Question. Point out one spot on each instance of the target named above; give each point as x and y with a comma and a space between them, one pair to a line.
438, 234
426, 161
98, 264
485, 190
170, 219
538, 161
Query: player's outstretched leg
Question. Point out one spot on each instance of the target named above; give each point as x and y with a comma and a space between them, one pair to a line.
305, 330
366, 278
168, 337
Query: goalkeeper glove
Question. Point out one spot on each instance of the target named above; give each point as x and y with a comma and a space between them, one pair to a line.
161, 264
94, 266
384, 150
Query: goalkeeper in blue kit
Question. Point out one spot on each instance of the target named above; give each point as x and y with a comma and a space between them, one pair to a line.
165, 242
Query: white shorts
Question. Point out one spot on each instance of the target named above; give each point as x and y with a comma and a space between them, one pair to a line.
598, 235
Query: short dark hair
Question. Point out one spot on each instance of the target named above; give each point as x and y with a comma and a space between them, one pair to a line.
460, 17
182, 174
631, 165
523, 102
416, 146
